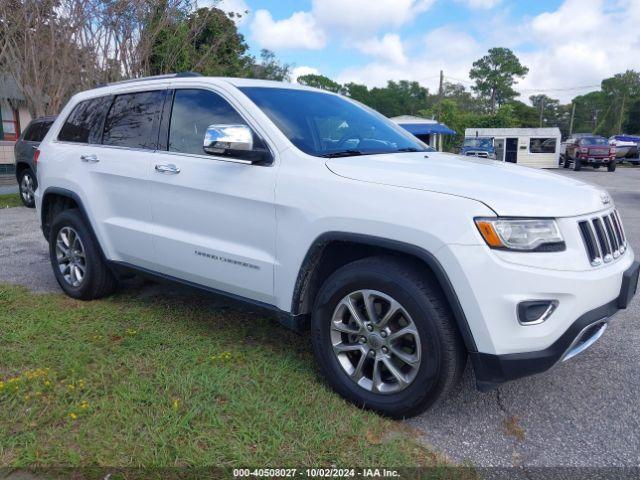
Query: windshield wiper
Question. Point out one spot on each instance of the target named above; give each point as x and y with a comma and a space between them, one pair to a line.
343, 153
408, 149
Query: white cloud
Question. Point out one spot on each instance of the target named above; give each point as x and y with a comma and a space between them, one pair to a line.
389, 48
360, 17
298, 31
579, 44
480, 4
348, 20
576, 45
303, 70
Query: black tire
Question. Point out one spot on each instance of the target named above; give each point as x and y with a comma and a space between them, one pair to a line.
566, 163
421, 297
612, 166
596, 167
27, 175
577, 165
98, 280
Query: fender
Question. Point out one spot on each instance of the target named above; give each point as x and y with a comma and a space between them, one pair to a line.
63, 192
316, 248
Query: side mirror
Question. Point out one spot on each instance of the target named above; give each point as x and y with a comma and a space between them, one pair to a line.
220, 139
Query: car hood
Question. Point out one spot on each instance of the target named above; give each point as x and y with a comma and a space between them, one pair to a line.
508, 189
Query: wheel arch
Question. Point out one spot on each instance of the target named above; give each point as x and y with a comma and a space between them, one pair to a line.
21, 167
334, 249
55, 200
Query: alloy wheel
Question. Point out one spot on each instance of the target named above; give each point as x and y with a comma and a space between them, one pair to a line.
27, 189
376, 341
70, 256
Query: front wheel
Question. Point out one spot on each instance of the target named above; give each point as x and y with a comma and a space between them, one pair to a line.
577, 165
384, 337
565, 162
612, 166
27, 185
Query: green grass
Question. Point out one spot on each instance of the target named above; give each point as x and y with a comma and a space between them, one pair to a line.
10, 200
156, 382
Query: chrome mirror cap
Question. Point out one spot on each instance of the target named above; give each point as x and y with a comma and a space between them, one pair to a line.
222, 138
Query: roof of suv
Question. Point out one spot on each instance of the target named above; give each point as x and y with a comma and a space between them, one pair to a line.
179, 79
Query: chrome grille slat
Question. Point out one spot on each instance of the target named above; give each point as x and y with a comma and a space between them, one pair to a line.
603, 237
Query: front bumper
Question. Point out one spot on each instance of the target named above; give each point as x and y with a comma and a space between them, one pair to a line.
492, 370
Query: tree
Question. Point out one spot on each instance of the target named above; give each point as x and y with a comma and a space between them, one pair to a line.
206, 41
621, 89
495, 74
321, 82
548, 109
270, 68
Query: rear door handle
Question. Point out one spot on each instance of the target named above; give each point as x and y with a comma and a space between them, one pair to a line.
89, 158
168, 168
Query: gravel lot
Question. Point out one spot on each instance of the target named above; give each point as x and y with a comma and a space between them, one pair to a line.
585, 412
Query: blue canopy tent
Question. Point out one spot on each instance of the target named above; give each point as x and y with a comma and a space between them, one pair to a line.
427, 130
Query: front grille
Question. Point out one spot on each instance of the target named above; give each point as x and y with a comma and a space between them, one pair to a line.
478, 154
598, 151
603, 238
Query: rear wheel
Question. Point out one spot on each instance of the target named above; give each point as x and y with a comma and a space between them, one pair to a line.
27, 185
565, 162
76, 260
384, 337
612, 166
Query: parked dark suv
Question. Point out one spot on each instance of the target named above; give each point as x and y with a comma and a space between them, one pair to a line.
593, 151
24, 150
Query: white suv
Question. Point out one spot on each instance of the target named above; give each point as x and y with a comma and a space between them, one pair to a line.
399, 261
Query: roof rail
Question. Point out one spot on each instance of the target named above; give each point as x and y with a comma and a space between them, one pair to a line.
153, 77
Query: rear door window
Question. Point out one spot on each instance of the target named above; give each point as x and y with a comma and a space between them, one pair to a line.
84, 124
133, 120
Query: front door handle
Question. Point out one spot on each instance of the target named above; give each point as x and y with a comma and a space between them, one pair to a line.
168, 168
89, 158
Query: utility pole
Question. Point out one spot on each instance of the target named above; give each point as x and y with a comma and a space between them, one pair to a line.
541, 109
621, 115
573, 113
440, 94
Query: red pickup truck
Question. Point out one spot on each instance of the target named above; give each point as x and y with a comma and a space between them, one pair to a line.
592, 151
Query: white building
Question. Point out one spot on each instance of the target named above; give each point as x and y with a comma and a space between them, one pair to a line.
531, 147
14, 117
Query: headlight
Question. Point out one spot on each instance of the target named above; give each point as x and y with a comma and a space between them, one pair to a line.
531, 235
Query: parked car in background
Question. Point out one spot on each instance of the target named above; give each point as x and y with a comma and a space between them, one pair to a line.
24, 152
591, 151
398, 261
478, 147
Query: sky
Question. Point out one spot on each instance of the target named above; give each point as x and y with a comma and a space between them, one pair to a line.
569, 46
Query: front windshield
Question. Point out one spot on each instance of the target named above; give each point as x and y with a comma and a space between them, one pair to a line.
595, 141
477, 142
326, 125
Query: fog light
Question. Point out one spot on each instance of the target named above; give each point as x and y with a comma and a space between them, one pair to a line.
534, 312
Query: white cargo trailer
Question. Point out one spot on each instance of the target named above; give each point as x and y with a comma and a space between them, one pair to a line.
531, 147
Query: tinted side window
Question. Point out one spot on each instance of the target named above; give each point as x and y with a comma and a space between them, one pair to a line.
133, 120
193, 111
31, 133
85, 122
41, 131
